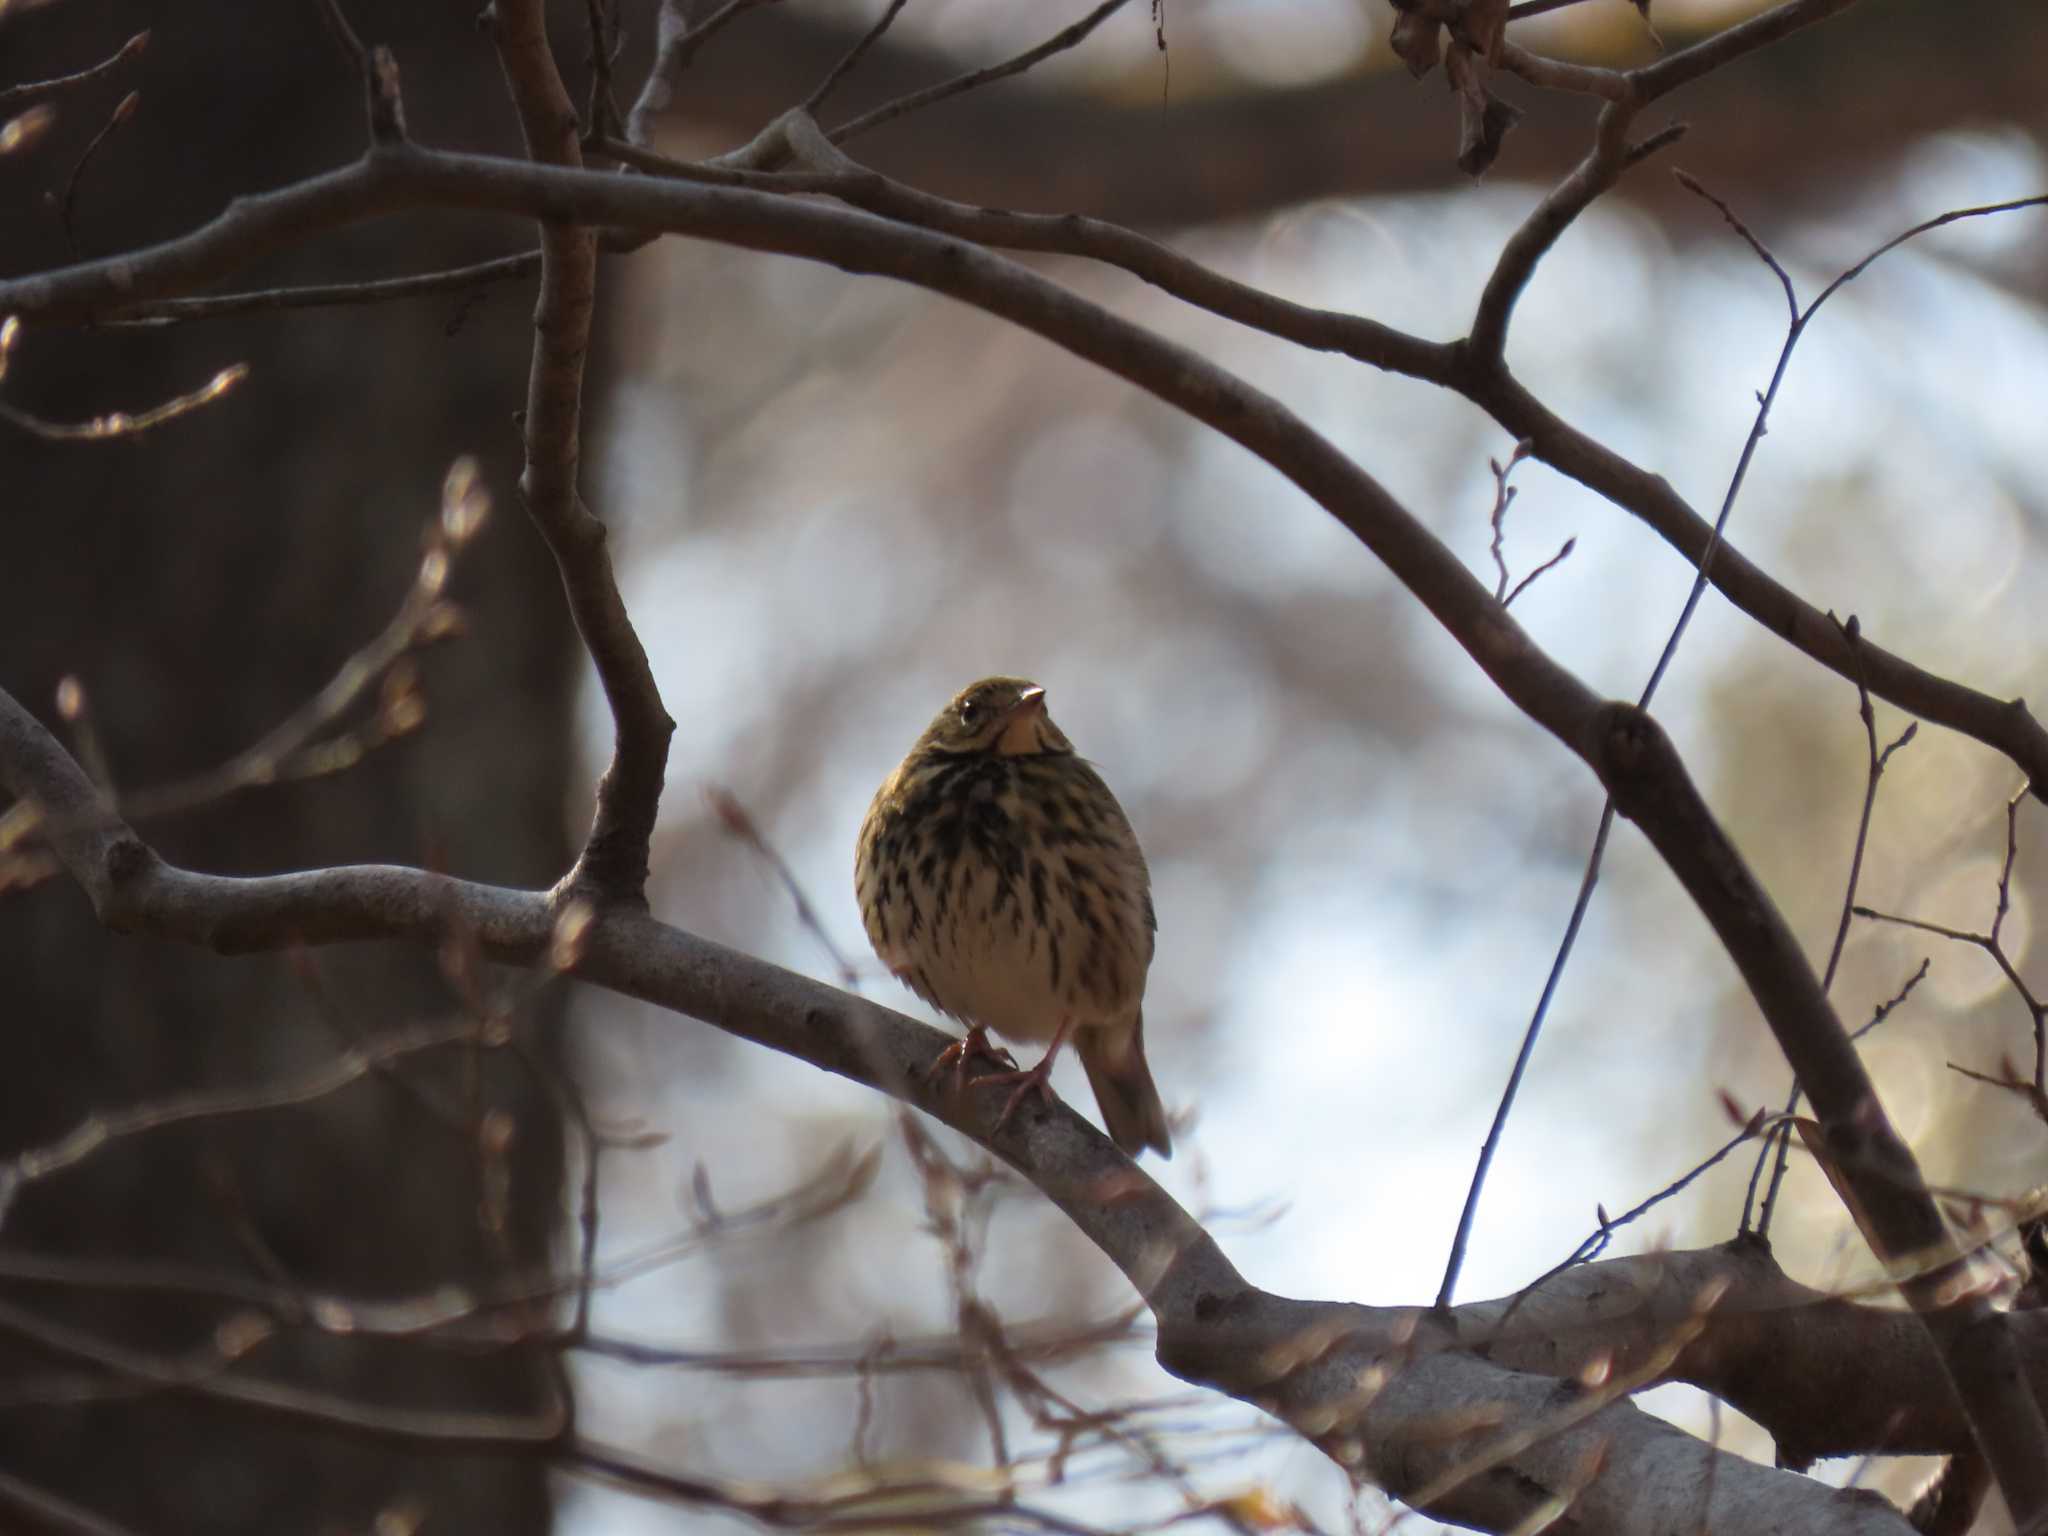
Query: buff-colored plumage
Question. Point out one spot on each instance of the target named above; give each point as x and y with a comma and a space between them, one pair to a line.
1001, 882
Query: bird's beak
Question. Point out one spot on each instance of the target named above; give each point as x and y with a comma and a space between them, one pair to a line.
1020, 725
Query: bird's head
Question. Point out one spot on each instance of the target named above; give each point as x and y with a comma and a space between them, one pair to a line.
1003, 716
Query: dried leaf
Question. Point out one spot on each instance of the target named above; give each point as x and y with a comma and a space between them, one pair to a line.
1417, 41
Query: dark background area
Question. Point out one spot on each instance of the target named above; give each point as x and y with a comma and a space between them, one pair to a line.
201, 582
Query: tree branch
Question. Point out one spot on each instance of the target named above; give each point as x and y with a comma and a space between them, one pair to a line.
613, 864
2005, 725
1372, 1386
1622, 745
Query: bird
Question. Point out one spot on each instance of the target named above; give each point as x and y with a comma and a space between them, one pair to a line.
1001, 882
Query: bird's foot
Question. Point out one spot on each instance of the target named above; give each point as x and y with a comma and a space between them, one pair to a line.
960, 1052
1037, 1079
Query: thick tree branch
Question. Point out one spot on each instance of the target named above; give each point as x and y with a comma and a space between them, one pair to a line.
1374, 1387
2006, 725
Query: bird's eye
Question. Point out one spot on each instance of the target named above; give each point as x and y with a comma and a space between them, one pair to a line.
970, 714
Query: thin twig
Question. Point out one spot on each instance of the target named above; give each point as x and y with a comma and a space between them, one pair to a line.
1059, 42
1993, 944
1051, 1341
97, 1130
600, 16
679, 54
67, 205
1503, 498
852, 57
110, 860
1873, 775
1563, 553
1702, 578
1698, 189
297, 747
1596, 1242
165, 312
74, 708
1997, 723
345, 37
1982, 210
383, 107
2010, 1080
738, 821
123, 423
51, 1512
14, 98
1462, 1236
887, 1506
676, 44
1796, 326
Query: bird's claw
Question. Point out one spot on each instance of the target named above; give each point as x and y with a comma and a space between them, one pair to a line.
974, 1044
1037, 1078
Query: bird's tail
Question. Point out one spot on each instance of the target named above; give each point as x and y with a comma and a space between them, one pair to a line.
1115, 1062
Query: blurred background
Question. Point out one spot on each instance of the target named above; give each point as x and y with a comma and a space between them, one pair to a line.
834, 502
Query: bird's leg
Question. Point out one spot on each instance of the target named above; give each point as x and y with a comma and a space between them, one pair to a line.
960, 1052
1037, 1079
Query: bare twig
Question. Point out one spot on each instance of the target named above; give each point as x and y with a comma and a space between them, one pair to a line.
886, 1506
1623, 745
74, 708
676, 44
383, 106
213, 1370
1050, 1341
345, 37
163, 312
1503, 498
1190, 1287
1522, 10
1610, 155
50, 1512
1596, 1242
606, 33
1461, 1237
1796, 326
2010, 1080
613, 863
1563, 554
99, 1129
736, 819
67, 205
299, 746
16, 98
1059, 42
955, 1204
1992, 943
123, 423
2004, 725
1561, 75
1596, 856
1878, 760
852, 57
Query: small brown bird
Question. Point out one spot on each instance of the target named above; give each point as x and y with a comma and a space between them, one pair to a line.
1000, 881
